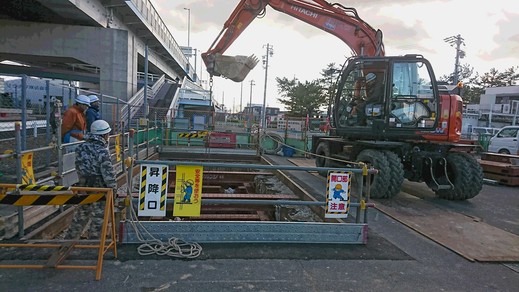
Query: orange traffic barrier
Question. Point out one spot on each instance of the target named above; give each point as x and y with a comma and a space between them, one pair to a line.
28, 195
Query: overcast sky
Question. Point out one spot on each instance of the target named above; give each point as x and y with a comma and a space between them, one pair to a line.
489, 29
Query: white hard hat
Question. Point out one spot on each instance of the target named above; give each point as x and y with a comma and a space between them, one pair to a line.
82, 99
93, 98
100, 127
370, 77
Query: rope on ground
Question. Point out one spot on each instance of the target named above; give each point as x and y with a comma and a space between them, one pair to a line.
174, 247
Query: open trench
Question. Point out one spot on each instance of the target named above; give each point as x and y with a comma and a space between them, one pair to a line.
224, 184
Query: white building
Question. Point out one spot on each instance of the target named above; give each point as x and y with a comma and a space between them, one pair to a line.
498, 107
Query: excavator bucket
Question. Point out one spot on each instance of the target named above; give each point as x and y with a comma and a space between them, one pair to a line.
235, 68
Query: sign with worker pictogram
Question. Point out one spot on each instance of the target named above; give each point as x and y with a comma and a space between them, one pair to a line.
188, 191
338, 198
153, 190
27, 170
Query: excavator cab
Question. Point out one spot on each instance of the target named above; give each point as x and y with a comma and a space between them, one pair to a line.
387, 95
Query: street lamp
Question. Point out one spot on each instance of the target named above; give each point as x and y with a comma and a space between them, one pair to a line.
188, 24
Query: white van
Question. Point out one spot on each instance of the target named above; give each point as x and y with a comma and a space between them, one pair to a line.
475, 132
506, 141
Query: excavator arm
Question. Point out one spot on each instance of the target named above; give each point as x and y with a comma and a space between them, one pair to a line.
343, 22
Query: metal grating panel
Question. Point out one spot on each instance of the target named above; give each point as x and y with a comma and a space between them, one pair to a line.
251, 232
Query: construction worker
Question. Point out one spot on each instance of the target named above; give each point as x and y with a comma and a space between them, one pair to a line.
373, 90
92, 113
73, 126
93, 162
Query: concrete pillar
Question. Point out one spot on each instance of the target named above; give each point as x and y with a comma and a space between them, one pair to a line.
111, 50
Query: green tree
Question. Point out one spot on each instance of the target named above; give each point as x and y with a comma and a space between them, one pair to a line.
328, 81
301, 99
465, 73
474, 86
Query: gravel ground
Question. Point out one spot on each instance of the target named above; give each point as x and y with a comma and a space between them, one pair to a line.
40, 158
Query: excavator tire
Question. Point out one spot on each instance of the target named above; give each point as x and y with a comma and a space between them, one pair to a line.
466, 175
323, 150
396, 173
379, 181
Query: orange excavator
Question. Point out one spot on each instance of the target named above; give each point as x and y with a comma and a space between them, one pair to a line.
388, 112
336, 19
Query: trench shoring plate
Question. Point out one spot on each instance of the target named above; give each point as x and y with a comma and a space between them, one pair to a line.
465, 235
250, 232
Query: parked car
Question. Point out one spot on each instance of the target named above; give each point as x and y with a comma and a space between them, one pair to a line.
478, 131
506, 141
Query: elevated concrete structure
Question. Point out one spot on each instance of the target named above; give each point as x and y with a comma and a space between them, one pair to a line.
103, 42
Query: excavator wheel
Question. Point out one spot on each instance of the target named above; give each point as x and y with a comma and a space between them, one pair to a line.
322, 151
465, 174
396, 173
380, 181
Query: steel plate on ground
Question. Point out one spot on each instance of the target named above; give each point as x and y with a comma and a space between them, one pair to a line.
474, 240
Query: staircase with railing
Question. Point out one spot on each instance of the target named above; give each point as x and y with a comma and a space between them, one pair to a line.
135, 103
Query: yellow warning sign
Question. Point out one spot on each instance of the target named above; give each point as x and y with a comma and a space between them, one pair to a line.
338, 198
118, 148
188, 191
27, 170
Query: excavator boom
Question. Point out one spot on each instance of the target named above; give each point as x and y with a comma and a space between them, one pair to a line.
336, 19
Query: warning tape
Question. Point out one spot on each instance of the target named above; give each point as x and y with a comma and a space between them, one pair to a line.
200, 134
44, 188
50, 199
164, 189
142, 195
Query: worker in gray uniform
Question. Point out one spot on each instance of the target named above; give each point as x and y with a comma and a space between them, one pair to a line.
93, 163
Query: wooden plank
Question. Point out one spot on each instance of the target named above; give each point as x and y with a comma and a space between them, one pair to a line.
503, 179
499, 168
31, 216
305, 162
53, 227
504, 158
467, 236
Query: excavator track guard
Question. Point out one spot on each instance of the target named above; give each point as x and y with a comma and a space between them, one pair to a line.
235, 68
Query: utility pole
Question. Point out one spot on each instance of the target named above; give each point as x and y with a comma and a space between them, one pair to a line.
456, 41
250, 98
269, 52
241, 96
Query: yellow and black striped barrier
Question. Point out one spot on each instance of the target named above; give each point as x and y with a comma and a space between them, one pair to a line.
45, 188
31, 195
199, 134
27, 195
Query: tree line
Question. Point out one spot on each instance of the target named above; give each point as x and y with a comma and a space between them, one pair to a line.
302, 98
